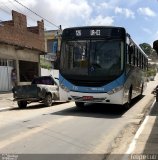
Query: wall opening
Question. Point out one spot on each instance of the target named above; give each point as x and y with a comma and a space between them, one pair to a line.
28, 71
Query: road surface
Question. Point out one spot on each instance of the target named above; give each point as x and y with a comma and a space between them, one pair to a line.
63, 129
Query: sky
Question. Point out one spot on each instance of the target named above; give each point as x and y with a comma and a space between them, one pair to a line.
138, 17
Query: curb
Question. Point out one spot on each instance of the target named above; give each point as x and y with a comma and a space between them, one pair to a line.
6, 109
133, 143
121, 134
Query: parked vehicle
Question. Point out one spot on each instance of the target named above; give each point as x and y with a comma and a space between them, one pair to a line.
44, 89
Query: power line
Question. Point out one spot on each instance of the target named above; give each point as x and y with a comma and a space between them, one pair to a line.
1, 20
26, 13
19, 10
5, 6
31, 18
10, 8
37, 14
14, 5
4, 10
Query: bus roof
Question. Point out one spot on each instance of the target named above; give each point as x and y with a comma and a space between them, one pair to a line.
137, 46
82, 27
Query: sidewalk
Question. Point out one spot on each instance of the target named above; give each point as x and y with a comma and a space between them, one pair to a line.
147, 140
6, 100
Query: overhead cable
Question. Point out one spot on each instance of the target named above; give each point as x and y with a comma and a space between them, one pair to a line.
4, 10
31, 18
37, 14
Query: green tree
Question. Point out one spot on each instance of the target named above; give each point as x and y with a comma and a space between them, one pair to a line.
149, 51
44, 64
146, 48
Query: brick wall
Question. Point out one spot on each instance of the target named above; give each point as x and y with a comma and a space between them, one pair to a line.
17, 33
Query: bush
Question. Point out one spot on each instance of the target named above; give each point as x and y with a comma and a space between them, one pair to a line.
45, 64
151, 72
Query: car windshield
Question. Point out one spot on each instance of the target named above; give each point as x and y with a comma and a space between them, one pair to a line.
43, 80
92, 58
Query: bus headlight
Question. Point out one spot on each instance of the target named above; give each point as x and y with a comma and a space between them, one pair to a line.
115, 90
64, 88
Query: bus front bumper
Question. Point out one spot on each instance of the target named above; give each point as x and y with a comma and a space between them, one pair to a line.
115, 98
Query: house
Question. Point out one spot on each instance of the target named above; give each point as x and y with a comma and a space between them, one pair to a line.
20, 48
52, 47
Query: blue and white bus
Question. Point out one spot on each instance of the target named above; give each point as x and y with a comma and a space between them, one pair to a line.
100, 65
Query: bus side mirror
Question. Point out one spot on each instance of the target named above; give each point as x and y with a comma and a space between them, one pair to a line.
155, 46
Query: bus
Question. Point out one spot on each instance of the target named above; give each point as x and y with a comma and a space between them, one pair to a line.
100, 64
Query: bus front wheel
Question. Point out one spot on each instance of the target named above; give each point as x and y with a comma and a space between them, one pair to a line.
128, 104
79, 104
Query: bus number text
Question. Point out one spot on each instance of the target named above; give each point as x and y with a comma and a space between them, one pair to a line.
95, 32
78, 32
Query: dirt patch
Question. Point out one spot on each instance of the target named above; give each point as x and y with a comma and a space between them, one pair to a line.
122, 142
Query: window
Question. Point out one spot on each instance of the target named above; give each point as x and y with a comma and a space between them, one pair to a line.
142, 62
3, 62
131, 54
95, 58
134, 56
43, 80
140, 59
52, 45
137, 52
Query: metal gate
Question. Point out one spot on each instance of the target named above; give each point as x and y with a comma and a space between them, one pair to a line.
5, 74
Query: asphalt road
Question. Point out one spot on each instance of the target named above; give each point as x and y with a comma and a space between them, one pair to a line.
62, 129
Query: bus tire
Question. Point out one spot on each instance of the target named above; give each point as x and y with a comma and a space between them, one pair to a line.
128, 104
79, 105
22, 104
156, 97
142, 88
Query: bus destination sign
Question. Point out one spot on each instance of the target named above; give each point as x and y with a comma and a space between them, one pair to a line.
91, 33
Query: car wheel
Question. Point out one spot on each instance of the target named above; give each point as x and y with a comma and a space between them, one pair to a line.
22, 104
48, 100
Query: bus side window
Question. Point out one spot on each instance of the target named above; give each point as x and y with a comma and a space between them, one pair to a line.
140, 60
127, 51
130, 54
134, 56
137, 52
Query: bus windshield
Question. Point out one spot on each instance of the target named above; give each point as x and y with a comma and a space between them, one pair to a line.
95, 58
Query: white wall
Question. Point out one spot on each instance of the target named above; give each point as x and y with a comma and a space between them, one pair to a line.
5, 78
53, 72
